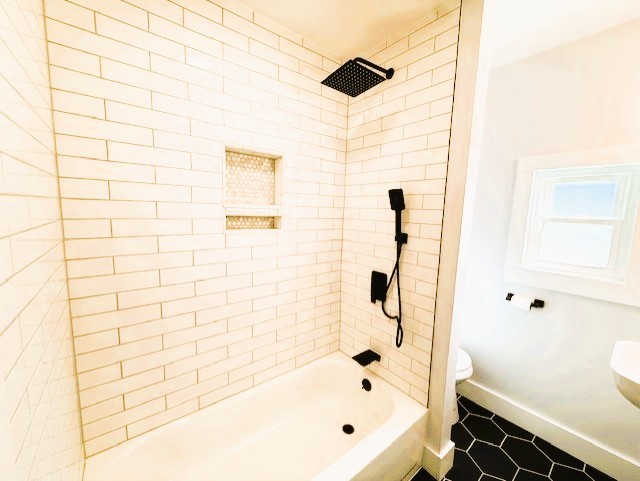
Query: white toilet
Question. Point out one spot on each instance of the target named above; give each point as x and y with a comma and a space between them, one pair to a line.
464, 370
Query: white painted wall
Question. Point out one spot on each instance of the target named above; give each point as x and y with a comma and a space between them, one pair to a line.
554, 362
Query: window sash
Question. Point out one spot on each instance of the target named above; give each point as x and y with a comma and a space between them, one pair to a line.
549, 180
539, 216
612, 270
611, 160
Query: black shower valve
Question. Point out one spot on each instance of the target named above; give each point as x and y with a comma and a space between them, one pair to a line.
378, 286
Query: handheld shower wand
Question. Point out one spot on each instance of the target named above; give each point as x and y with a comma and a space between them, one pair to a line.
396, 199
379, 286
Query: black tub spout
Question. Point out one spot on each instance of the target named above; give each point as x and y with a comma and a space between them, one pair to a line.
366, 357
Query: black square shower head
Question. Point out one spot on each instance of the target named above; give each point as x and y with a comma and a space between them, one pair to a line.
354, 78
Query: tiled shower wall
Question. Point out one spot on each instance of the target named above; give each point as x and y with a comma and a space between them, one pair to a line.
399, 137
40, 436
170, 313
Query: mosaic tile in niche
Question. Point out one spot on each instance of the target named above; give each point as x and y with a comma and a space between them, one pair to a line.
250, 179
250, 222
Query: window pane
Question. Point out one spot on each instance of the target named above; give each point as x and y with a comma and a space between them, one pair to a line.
583, 199
587, 245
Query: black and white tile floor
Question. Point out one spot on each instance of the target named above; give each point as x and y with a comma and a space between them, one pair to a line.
490, 448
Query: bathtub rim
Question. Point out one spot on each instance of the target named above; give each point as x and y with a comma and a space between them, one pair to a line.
353, 460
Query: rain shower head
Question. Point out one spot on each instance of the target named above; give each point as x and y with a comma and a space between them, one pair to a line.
356, 77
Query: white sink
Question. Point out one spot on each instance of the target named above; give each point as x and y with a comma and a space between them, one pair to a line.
625, 362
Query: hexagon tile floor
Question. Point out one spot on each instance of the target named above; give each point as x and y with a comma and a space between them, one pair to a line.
490, 448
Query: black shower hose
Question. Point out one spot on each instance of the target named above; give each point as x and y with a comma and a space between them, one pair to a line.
398, 318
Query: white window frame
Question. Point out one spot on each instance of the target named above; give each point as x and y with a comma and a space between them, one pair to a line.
620, 280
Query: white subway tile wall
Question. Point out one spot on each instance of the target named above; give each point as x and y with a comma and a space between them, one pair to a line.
40, 432
170, 313
398, 137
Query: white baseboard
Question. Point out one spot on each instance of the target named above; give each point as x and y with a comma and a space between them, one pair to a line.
438, 464
600, 457
412, 473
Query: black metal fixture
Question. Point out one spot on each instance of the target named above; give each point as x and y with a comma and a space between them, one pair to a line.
379, 284
536, 304
366, 357
366, 384
356, 76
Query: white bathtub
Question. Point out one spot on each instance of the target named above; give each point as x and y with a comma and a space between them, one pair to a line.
288, 429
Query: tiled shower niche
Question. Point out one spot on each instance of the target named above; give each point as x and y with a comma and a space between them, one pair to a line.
252, 190
250, 222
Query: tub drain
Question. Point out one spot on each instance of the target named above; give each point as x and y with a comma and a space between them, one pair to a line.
348, 429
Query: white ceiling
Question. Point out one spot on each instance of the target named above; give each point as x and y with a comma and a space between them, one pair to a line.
347, 28
520, 28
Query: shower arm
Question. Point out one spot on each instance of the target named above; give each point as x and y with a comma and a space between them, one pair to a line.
387, 72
